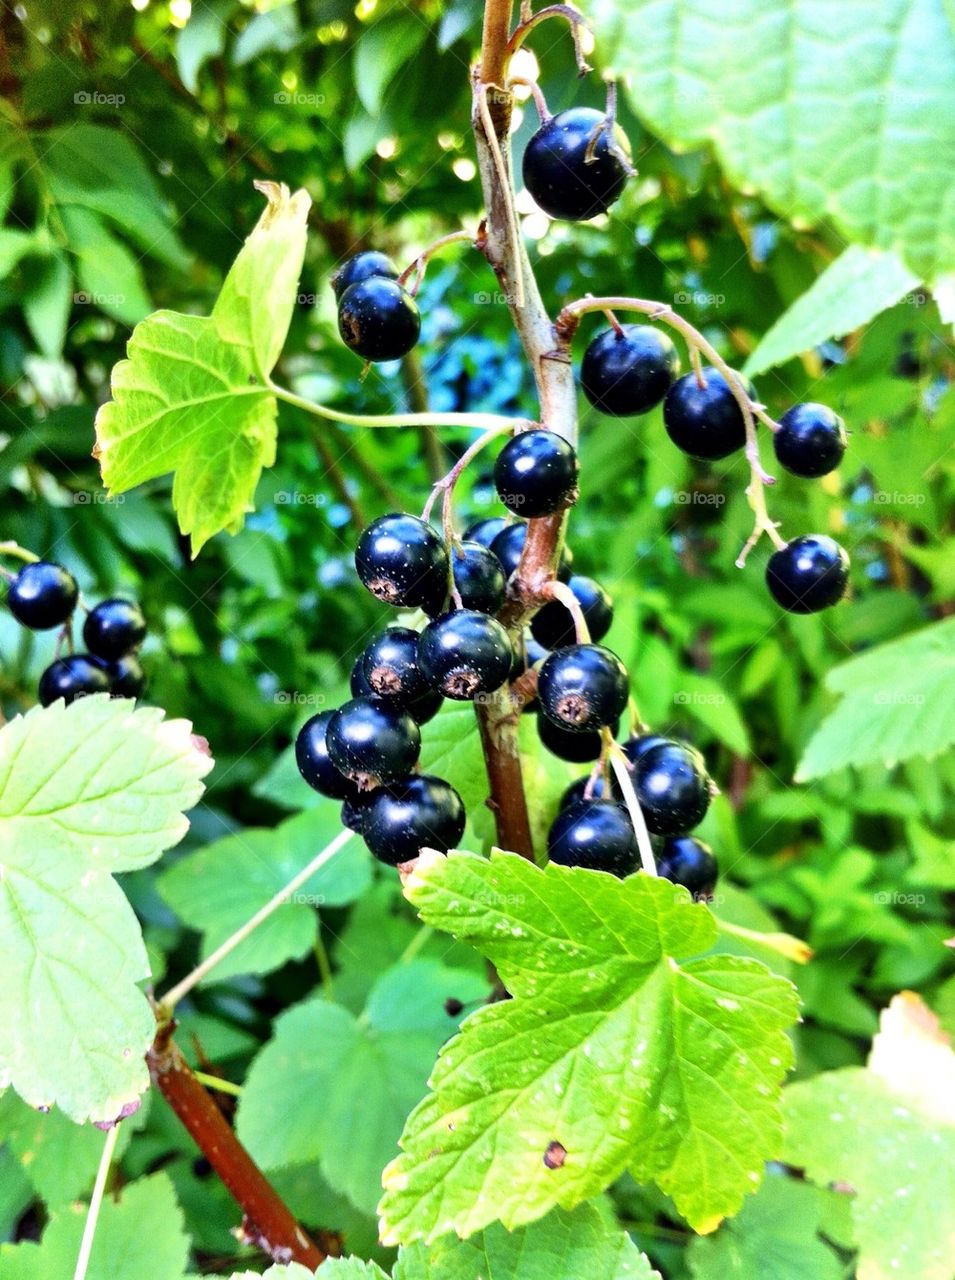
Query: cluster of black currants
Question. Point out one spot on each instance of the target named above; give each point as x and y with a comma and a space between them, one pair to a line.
44, 595
378, 318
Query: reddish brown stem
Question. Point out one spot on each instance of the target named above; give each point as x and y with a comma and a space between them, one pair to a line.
267, 1223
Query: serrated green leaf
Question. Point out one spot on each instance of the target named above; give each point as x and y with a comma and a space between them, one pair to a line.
898, 702
193, 397
608, 1057
218, 888
350, 1082
850, 292
295, 1271
85, 791
757, 81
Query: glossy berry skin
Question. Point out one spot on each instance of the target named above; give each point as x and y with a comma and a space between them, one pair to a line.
464, 653
595, 834
362, 266
127, 679
553, 625
354, 809
390, 666
73, 677
479, 577
371, 741
641, 743
42, 595
509, 544
810, 441
311, 756
536, 474
627, 373
584, 686
575, 792
113, 628
688, 861
403, 561
672, 787
705, 422
418, 812
486, 530
808, 574
565, 181
421, 709
378, 319
575, 748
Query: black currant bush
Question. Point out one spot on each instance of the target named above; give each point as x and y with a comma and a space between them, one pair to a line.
573, 879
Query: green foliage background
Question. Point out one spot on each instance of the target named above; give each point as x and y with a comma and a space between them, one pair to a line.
129, 141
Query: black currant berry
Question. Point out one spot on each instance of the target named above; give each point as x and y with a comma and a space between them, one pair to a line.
390, 666
629, 372
705, 422
127, 679
464, 653
672, 786
536, 474
363, 266
810, 441
553, 625
73, 677
403, 561
311, 756
479, 577
403, 818
354, 810
595, 834
575, 748
372, 741
688, 861
378, 319
486, 530
421, 709
808, 574
509, 544
634, 748
42, 595
113, 628
575, 791
583, 687
577, 164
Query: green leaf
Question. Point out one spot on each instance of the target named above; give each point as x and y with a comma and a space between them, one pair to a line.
775, 1237
619, 1037
59, 1157
757, 81
381, 51
109, 274
295, 1271
140, 1234
218, 888
86, 791
276, 29
46, 305
350, 1082
898, 702
203, 37
849, 293
13, 245
194, 395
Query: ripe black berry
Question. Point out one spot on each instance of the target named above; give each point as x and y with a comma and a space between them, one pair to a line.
371, 741
810, 441
672, 787
363, 266
311, 756
421, 709
536, 474
808, 574
42, 595
354, 810
576, 164
629, 372
73, 677
464, 653
403, 818
113, 628
390, 666
576, 748
688, 861
127, 679
575, 791
553, 625
378, 319
509, 544
636, 747
486, 530
705, 422
595, 834
402, 561
479, 577
583, 687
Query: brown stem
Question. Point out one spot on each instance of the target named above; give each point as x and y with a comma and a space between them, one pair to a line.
267, 1223
339, 480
